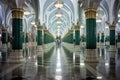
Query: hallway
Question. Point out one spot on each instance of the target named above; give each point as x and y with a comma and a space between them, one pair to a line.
61, 66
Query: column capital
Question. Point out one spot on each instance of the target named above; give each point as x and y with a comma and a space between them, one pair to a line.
90, 13
39, 27
70, 31
112, 27
17, 13
77, 27
118, 33
4, 30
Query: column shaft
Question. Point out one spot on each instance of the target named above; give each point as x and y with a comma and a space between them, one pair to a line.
77, 35
90, 28
17, 27
39, 35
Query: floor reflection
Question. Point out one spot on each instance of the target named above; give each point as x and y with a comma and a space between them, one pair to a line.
61, 66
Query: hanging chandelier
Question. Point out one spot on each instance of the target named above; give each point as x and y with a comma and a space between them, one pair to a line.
58, 14
59, 4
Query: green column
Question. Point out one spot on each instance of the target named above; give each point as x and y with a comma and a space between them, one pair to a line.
45, 37
118, 40
4, 36
102, 37
26, 38
90, 28
4, 45
98, 37
17, 27
39, 35
77, 35
112, 34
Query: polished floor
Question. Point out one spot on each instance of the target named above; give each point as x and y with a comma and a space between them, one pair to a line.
61, 66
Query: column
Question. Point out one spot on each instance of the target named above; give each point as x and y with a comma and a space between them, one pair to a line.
77, 45
112, 38
4, 45
90, 28
102, 39
91, 52
118, 40
118, 43
17, 35
39, 45
98, 39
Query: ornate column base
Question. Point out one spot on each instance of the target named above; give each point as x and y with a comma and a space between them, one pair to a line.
39, 48
98, 44
83, 43
112, 48
16, 56
102, 44
77, 55
107, 43
4, 52
40, 55
4, 47
91, 56
118, 45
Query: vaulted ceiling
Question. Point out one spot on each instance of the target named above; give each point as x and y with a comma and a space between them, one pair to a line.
43, 12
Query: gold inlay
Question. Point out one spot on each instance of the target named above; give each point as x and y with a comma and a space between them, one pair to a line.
4, 30
17, 13
77, 27
39, 27
70, 32
90, 13
119, 34
112, 27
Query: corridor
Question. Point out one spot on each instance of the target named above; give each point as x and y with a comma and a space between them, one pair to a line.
59, 39
62, 65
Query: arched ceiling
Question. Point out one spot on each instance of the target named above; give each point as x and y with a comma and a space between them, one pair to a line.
43, 12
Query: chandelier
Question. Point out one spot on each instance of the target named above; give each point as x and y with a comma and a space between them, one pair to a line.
58, 4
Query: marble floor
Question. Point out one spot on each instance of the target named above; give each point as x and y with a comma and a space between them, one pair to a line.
62, 66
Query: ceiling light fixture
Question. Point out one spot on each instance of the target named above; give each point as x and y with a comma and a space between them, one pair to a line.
98, 20
33, 23
26, 13
119, 20
119, 15
59, 22
58, 14
58, 4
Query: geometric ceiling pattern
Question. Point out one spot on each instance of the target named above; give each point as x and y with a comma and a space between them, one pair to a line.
59, 20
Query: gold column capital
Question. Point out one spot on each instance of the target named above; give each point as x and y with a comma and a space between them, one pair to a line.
39, 27
118, 33
4, 30
17, 13
71, 31
77, 27
90, 13
102, 33
112, 27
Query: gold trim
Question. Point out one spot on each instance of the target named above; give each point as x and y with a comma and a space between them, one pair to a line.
112, 27
77, 27
39, 27
4, 30
90, 13
71, 31
119, 34
17, 13
102, 33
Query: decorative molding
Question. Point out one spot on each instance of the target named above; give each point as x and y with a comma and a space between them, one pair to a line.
4, 30
90, 13
39, 27
17, 13
112, 27
77, 27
